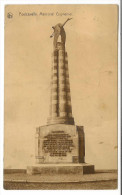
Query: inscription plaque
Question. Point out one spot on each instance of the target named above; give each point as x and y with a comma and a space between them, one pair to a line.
57, 143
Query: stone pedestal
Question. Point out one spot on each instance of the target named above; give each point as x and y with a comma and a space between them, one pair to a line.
60, 149
61, 169
60, 143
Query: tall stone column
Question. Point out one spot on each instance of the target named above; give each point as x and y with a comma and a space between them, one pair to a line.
60, 102
54, 86
69, 107
62, 84
61, 141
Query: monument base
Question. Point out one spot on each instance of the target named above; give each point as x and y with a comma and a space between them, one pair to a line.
80, 169
60, 143
60, 149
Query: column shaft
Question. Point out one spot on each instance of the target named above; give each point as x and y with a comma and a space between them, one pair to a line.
54, 86
62, 85
60, 101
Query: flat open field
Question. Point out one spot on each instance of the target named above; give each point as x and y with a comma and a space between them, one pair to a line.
96, 181
62, 186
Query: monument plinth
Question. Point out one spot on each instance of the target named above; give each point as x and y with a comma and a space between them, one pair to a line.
60, 145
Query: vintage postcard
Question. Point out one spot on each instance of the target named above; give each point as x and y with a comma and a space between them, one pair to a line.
60, 97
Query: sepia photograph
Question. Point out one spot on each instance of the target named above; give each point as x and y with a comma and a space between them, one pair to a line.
61, 97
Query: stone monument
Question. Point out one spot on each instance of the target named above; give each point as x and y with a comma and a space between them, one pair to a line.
60, 145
